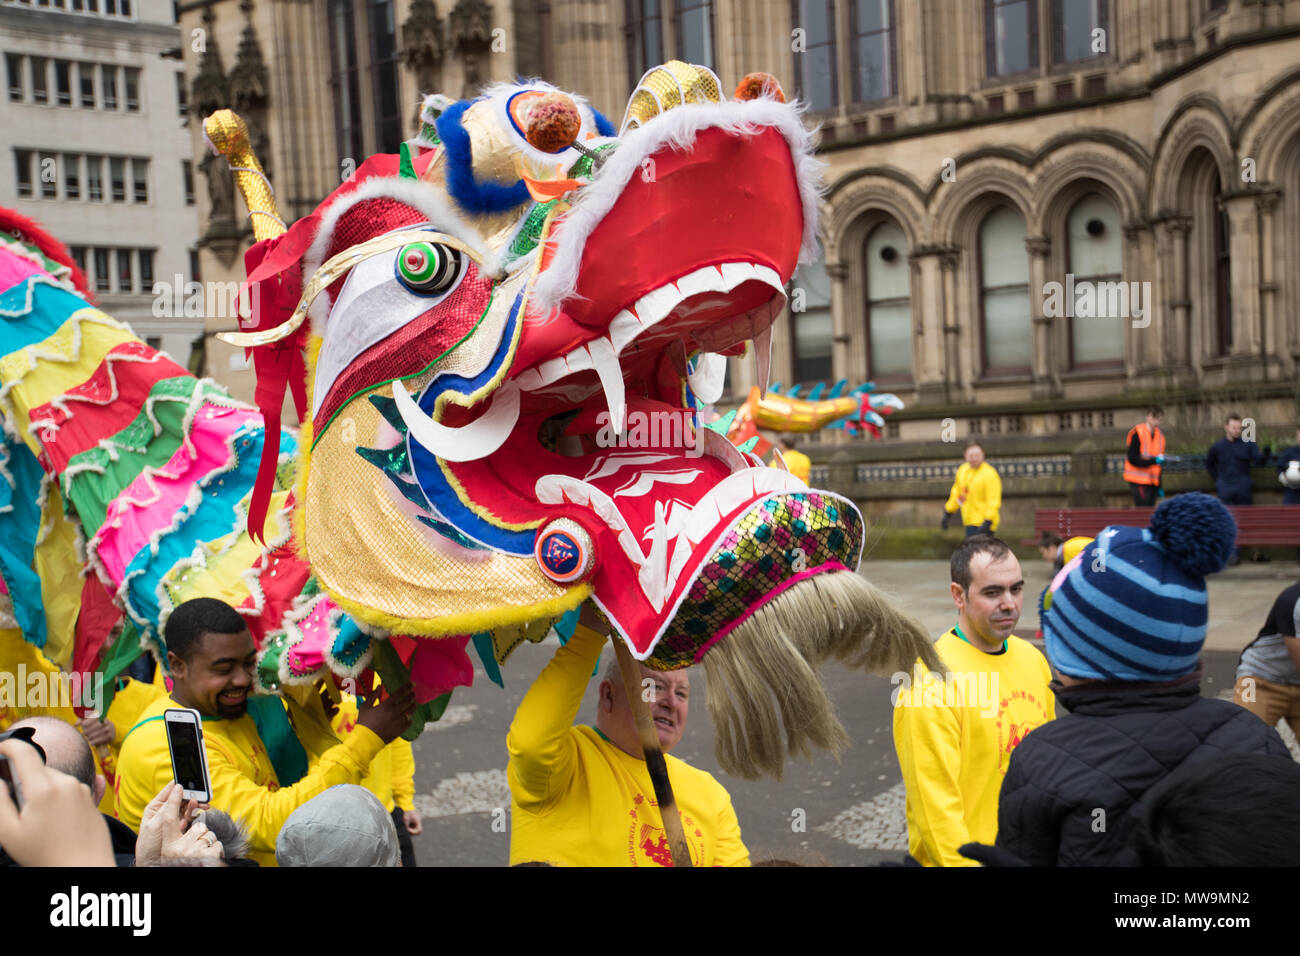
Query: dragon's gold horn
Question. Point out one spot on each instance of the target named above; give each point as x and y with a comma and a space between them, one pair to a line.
227, 135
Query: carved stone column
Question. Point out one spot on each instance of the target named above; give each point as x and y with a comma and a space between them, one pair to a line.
1183, 343
1243, 248
957, 374
929, 354
422, 46
843, 362
1272, 339
470, 30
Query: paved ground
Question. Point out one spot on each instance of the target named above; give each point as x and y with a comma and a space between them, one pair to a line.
850, 813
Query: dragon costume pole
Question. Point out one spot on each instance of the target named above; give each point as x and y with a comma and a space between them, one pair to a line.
227, 135
654, 755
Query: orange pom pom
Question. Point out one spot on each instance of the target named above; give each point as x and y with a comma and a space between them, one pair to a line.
755, 85
553, 123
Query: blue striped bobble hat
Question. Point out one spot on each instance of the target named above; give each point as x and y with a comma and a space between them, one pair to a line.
1132, 605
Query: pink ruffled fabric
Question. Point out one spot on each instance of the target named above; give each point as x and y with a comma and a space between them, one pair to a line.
149, 504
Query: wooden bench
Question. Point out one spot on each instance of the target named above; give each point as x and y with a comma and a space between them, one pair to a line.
1257, 525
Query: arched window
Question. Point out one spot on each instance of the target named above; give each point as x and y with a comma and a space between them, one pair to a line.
1222, 275
1005, 331
811, 330
889, 305
1095, 250
814, 64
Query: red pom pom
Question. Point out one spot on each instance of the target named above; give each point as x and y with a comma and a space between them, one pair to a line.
553, 123
755, 85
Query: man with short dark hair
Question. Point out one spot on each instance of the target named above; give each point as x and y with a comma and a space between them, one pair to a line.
1229, 462
260, 771
976, 493
1144, 456
954, 735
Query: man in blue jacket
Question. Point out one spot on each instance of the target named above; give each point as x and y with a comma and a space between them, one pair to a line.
1229, 462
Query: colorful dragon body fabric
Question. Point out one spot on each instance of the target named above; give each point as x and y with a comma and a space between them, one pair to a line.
499, 342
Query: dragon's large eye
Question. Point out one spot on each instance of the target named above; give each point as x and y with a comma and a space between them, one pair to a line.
428, 268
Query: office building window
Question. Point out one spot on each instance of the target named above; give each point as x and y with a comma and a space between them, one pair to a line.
71, 176
108, 80
125, 276
154, 342
63, 82
875, 70
146, 270
14, 73
95, 178
1010, 36
194, 265
23, 166
889, 304
1004, 292
1095, 254
182, 95
383, 75
814, 65
693, 26
140, 179
132, 89
86, 82
117, 178
187, 175
1073, 25
812, 328
40, 80
49, 176
78, 254
645, 37
103, 278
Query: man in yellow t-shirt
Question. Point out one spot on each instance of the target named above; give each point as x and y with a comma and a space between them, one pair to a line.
976, 493
955, 735
581, 796
211, 657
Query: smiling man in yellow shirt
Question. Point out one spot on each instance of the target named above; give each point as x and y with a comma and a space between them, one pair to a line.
976, 493
955, 735
211, 657
581, 796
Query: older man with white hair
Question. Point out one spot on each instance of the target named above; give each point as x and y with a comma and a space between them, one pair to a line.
582, 796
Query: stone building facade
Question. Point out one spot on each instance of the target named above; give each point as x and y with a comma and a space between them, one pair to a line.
92, 129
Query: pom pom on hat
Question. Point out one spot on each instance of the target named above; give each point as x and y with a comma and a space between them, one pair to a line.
1132, 606
1196, 531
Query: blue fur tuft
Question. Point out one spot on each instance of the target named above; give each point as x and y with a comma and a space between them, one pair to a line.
469, 193
1196, 531
603, 126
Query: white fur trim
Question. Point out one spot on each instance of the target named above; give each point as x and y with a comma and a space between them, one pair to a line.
675, 129
415, 193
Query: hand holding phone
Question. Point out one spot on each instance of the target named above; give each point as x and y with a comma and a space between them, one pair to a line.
189, 759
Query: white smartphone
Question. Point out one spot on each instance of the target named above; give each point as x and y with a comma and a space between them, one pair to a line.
189, 760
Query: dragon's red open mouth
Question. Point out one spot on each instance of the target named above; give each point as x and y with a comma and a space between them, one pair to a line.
606, 434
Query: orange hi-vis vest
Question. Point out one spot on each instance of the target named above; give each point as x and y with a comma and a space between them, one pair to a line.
1151, 446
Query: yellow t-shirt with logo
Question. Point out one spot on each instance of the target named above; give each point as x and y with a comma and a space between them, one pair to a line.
577, 800
955, 737
244, 783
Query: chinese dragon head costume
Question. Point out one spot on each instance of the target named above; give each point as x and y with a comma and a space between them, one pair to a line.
498, 342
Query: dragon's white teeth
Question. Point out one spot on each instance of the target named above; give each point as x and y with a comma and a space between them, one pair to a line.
769, 276
656, 304
763, 350
623, 328
529, 379
778, 461
707, 378
478, 439
734, 273
707, 279
604, 359
579, 360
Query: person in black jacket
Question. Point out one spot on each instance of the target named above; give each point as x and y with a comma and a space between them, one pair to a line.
1229, 462
1124, 629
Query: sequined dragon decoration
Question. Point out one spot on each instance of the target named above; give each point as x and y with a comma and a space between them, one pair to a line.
498, 341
